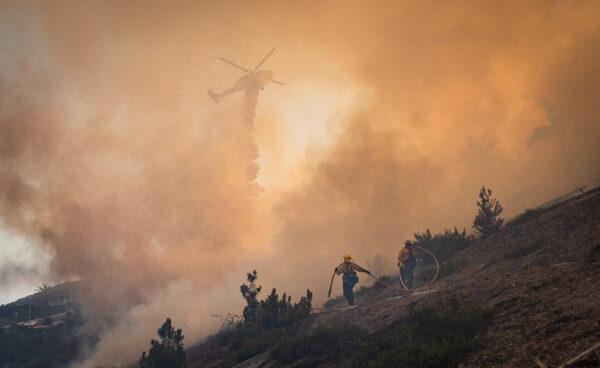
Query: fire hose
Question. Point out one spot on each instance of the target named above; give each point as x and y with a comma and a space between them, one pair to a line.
437, 270
374, 277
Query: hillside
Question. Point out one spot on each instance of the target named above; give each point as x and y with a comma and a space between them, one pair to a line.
44, 329
538, 279
534, 285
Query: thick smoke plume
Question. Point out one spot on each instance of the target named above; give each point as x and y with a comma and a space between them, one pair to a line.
114, 159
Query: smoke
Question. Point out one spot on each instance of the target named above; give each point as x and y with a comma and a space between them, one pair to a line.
462, 96
131, 189
113, 158
20, 266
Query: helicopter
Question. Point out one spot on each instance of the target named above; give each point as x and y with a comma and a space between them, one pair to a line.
253, 81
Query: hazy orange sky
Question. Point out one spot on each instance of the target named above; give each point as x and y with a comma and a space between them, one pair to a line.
115, 165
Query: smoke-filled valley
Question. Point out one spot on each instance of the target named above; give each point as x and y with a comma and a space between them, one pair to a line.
118, 170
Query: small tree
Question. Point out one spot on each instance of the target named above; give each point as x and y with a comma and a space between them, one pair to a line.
249, 292
488, 220
273, 311
168, 353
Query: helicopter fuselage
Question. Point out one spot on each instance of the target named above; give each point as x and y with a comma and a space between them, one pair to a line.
250, 82
253, 80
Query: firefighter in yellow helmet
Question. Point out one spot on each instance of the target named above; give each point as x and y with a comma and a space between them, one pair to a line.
348, 271
407, 261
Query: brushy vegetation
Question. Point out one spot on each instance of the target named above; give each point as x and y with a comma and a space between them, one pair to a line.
444, 244
441, 336
166, 353
248, 341
273, 311
526, 216
324, 343
450, 267
524, 250
266, 322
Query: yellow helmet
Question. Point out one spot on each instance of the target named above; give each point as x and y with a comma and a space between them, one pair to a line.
347, 258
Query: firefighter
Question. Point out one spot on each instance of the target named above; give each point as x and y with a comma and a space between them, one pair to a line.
407, 261
348, 271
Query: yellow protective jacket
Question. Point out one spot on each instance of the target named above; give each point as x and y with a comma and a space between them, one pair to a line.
349, 267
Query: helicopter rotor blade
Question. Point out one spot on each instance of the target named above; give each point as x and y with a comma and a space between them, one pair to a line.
234, 64
278, 82
264, 59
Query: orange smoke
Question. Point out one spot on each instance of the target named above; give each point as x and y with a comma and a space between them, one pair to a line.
392, 117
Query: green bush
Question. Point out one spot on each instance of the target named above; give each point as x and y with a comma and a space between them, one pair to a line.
166, 353
451, 266
526, 216
323, 343
235, 335
266, 321
272, 312
275, 312
523, 250
444, 244
247, 348
440, 336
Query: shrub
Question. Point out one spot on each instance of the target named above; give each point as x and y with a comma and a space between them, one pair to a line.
235, 335
273, 312
524, 250
264, 340
443, 245
168, 353
324, 342
440, 336
450, 267
280, 312
526, 216
488, 220
266, 321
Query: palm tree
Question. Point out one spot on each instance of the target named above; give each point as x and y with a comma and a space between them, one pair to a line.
44, 294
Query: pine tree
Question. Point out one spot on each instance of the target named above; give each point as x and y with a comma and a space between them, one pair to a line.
168, 353
488, 220
249, 292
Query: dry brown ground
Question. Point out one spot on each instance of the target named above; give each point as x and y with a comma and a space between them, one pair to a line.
541, 279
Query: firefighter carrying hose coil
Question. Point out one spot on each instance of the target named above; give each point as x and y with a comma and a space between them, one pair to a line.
407, 261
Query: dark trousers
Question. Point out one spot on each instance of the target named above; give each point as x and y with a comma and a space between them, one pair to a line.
406, 272
348, 292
